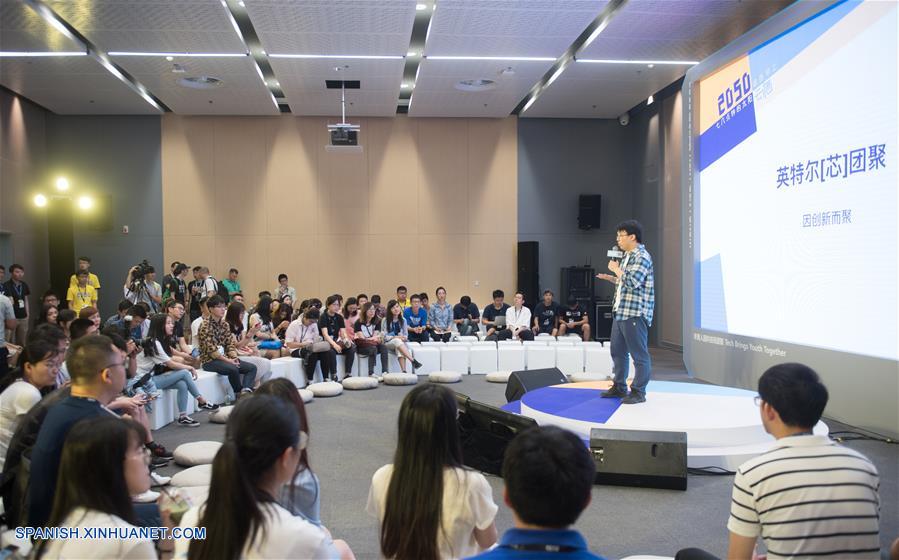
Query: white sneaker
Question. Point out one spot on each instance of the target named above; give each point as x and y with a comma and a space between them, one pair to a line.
147, 497
158, 479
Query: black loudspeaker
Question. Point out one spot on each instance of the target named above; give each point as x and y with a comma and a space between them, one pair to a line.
603, 320
485, 431
640, 458
577, 281
589, 207
528, 275
520, 382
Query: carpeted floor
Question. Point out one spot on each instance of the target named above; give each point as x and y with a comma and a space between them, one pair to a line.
355, 433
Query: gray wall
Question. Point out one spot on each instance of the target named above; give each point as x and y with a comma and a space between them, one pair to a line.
635, 168
559, 159
118, 156
23, 227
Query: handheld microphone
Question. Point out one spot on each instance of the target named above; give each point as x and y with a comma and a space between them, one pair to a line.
615, 253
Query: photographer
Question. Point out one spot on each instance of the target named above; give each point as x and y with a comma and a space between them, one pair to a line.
141, 286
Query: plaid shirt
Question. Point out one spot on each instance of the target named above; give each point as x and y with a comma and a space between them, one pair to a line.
637, 295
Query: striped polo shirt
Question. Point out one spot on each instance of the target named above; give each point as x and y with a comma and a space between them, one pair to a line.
808, 497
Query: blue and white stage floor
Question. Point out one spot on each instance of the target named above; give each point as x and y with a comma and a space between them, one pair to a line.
723, 425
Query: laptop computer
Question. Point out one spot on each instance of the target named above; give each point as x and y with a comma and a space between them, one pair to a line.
500, 321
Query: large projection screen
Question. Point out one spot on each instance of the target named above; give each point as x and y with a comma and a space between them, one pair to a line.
790, 206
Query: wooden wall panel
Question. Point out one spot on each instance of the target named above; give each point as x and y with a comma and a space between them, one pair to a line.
428, 202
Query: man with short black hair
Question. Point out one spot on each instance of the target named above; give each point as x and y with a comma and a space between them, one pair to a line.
491, 312
98, 377
145, 290
808, 496
416, 318
632, 309
546, 315
574, 320
401, 298
284, 289
195, 287
84, 264
174, 286
518, 321
232, 284
81, 327
380, 309
17, 290
82, 294
218, 352
466, 316
548, 474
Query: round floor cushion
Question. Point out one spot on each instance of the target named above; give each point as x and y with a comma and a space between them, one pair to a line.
196, 453
219, 416
306, 395
498, 376
200, 475
584, 376
400, 379
444, 377
326, 389
197, 494
360, 383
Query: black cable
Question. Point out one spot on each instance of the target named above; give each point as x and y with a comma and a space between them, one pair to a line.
841, 436
710, 471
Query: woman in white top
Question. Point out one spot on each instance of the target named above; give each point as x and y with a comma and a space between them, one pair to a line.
427, 464
21, 388
261, 452
103, 464
155, 360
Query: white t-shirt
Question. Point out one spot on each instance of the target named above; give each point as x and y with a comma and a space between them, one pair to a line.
131, 549
15, 402
145, 364
286, 536
195, 331
467, 504
518, 318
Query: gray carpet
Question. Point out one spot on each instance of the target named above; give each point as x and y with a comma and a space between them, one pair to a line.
355, 433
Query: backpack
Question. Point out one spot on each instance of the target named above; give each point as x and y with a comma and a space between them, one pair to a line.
221, 290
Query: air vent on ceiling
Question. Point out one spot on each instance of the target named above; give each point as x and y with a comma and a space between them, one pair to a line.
347, 84
200, 82
475, 85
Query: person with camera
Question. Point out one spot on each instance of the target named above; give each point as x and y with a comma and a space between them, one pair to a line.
141, 286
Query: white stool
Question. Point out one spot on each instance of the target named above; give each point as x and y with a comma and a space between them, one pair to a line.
454, 358
510, 357
508, 343
429, 356
165, 409
482, 359
294, 370
564, 341
431, 343
279, 369
484, 343
363, 364
341, 367
536, 342
214, 387
393, 363
470, 338
539, 356
570, 359
598, 359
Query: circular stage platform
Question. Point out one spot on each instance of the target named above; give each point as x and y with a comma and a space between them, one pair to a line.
722, 423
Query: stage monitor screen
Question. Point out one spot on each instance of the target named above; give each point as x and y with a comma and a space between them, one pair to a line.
791, 197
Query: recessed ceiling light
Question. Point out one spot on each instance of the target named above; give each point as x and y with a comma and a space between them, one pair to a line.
181, 54
650, 100
610, 61
475, 85
412, 53
170, 58
650, 65
200, 82
406, 86
512, 58
348, 56
421, 7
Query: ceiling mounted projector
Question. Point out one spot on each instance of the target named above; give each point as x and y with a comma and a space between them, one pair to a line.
343, 135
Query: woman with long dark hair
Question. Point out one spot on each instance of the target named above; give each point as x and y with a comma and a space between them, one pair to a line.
103, 464
415, 524
266, 330
244, 341
49, 314
396, 333
155, 359
20, 388
369, 340
262, 451
301, 496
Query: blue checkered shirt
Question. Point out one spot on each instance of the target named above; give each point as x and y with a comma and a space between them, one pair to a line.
637, 296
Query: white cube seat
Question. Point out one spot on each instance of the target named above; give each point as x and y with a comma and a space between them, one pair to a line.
482, 359
214, 387
540, 356
164, 410
293, 370
598, 359
510, 357
508, 343
454, 358
570, 359
536, 342
429, 356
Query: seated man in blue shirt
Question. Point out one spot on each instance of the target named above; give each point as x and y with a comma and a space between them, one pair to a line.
417, 320
549, 475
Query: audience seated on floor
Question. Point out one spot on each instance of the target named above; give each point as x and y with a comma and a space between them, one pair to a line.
264, 442
103, 462
429, 505
548, 474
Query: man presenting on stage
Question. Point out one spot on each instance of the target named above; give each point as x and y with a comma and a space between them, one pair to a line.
634, 301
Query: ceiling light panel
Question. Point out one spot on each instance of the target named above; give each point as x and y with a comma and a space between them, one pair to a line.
241, 92
333, 27
23, 30
200, 26
72, 86
535, 28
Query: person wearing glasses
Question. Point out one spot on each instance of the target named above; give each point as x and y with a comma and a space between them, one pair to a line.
98, 375
632, 308
218, 350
